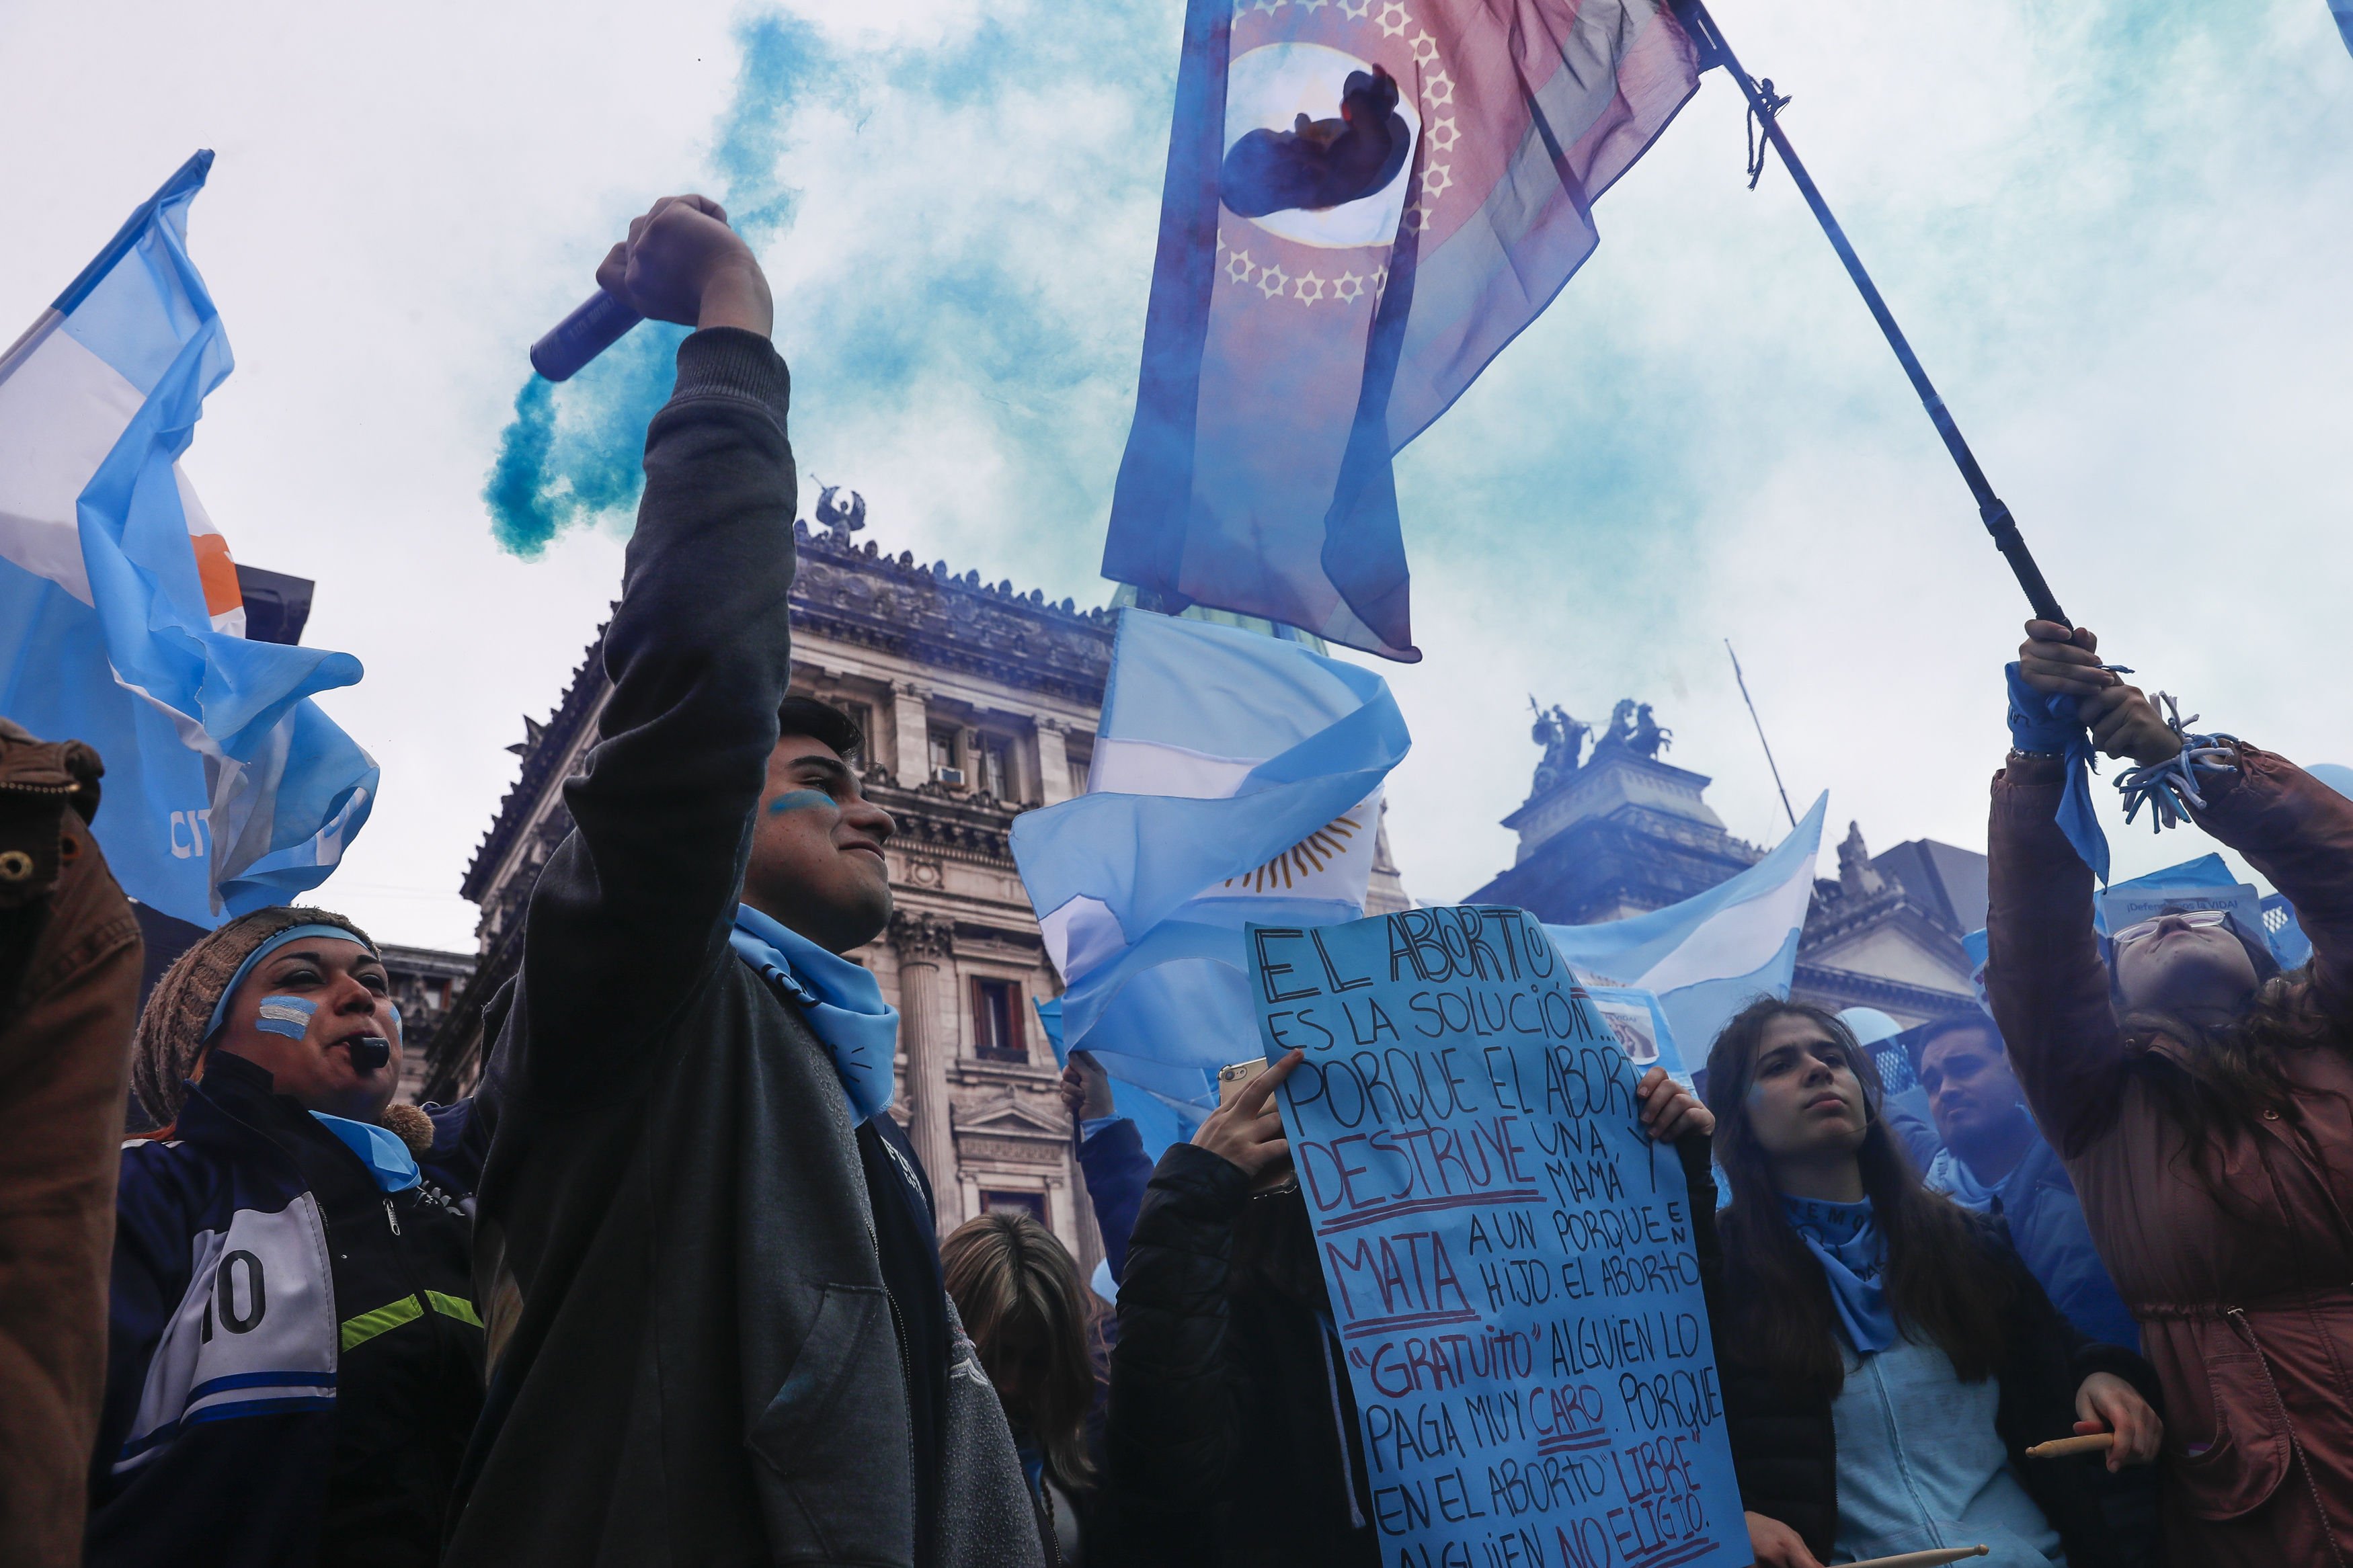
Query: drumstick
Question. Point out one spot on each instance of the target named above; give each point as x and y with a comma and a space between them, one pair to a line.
2058, 1448
1934, 1559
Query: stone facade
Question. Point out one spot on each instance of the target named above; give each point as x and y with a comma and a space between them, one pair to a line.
426, 984
1616, 832
1886, 932
978, 703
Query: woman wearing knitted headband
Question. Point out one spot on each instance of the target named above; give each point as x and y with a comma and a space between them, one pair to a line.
294, 1360
2202, 1104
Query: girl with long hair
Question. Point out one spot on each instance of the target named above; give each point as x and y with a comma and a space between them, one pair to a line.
1885, 1357
2203, 1104
1017, 1291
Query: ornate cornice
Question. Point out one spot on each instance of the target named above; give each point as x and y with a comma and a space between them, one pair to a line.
546, 749
936, 821
1849, 989
848, 594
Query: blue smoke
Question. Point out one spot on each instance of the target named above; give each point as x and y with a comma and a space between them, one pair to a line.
570, 455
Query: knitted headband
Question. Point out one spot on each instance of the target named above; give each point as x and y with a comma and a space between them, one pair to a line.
178, 1020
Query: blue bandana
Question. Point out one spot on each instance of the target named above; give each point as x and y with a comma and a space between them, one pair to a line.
2046, 721
379, 1148
841, 1001
1950, 1174
1854, 1254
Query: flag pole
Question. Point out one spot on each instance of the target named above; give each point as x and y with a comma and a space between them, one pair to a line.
1760, 733
1713, 50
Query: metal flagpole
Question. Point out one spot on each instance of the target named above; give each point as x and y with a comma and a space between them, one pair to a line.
1760, 732
1713, 50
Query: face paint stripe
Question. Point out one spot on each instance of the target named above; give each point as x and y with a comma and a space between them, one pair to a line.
794, 800
287, 1016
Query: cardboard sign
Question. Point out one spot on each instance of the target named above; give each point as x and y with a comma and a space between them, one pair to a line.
1509, 1255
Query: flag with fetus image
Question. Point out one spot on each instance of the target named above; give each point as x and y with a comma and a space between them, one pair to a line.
1364, 201
1236, 778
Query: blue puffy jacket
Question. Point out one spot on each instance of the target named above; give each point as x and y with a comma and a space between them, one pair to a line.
2047, 1227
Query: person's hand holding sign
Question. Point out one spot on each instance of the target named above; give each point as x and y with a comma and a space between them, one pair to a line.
1670, 1111
1247, 1130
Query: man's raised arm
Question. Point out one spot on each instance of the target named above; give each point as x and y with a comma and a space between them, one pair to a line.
633, 910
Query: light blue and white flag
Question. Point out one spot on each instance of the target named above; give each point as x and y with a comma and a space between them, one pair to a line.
1709, 956
121, 624
2343, 11
1235, 778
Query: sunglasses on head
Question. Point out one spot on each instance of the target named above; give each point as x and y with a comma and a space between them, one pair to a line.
2132, 933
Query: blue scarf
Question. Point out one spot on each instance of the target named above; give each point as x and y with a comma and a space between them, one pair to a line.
2046, 721
379, 1148
841, 1001
1950, 1174
1853, 1253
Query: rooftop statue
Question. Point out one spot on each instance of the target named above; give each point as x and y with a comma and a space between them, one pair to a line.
1562, 737
841, 517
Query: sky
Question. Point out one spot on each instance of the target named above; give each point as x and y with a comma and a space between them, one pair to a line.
2115, 232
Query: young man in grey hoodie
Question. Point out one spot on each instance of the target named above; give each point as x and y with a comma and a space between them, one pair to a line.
705, 1254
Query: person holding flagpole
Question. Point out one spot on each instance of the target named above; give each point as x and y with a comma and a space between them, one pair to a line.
2202, 1104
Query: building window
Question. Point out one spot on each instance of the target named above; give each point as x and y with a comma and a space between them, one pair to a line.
946, 768
995, 755
997, 1021
859, 714
1079, 768
1031, 1203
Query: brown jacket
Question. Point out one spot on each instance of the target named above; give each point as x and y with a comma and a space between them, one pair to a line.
2246, 1309
69, 956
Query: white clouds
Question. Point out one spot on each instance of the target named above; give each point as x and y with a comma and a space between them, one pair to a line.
2114, 230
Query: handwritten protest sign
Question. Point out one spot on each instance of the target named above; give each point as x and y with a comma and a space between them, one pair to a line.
1509, 1255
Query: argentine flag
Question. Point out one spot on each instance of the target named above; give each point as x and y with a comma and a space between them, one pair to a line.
1709, 956
1236, 778
121, 624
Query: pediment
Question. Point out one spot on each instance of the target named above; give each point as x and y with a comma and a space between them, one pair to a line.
1008, 1116
1911, 950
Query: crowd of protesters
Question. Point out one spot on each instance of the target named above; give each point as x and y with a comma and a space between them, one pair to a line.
668, 1288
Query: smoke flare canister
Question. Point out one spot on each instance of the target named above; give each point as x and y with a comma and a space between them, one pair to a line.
598, 323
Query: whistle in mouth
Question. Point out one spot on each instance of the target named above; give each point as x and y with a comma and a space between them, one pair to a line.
370, 1052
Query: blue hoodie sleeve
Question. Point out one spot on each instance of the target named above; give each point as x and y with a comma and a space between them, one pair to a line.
1116, 1174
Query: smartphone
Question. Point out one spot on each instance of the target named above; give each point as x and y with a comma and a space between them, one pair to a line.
1232, 1080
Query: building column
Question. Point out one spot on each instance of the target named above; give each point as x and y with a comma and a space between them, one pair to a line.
911, 724
1053, 762
922, 942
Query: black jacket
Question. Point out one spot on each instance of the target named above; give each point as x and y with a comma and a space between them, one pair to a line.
294, 1359
1229, 1401
703, 1282
1785, 1447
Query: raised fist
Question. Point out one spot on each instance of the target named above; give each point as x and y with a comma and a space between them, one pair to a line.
682, 263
